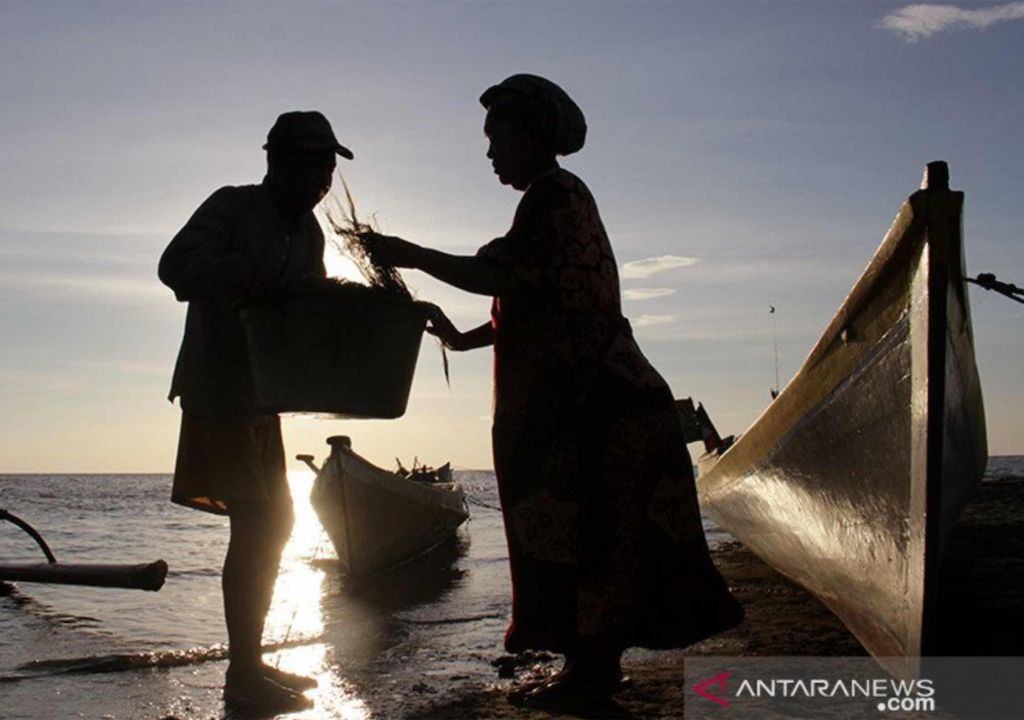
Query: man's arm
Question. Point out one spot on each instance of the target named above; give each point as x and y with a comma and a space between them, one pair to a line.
198, 263
318, 269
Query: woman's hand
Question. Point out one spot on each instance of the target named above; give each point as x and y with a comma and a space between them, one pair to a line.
442, 328
391, 250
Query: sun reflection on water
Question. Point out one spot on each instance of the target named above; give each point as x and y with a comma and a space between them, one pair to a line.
334, 697
296, 611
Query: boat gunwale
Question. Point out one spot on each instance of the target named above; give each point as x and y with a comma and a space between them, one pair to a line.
904, 234
449, 495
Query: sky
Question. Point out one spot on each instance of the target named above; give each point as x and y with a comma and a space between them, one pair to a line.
743, 155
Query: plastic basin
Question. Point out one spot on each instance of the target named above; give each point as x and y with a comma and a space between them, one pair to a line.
351, 355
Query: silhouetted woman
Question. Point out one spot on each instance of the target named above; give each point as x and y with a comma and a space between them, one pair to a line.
604, 531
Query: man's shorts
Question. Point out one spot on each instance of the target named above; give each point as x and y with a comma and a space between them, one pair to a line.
221, 462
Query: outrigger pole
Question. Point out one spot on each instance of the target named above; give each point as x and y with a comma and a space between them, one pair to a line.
143, 576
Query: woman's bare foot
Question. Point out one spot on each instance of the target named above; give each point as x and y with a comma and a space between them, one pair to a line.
577, 681
520, 690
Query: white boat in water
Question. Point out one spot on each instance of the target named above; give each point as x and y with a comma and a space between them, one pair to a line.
378, 519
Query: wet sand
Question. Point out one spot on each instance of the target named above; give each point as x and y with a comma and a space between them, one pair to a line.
983, 569
781, 619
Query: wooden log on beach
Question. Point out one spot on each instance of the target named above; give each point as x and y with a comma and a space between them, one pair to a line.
143, 576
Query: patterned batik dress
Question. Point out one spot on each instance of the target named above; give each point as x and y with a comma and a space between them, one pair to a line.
597, 490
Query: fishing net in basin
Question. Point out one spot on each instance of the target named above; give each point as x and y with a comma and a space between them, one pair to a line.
347, 231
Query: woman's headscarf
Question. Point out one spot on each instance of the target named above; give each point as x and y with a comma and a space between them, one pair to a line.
543, 107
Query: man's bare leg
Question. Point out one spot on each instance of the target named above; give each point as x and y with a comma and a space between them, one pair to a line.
278, 531
259, 532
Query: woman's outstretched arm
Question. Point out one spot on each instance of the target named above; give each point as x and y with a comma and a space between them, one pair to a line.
467, 272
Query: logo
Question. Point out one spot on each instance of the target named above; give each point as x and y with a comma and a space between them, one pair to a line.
717, 682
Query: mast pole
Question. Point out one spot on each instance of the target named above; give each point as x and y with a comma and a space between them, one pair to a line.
775, 345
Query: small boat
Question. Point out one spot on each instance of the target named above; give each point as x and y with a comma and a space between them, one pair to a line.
140, 576
378, 519
851, 480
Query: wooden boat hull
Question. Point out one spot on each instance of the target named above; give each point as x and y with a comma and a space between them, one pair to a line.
850, 482
376, 519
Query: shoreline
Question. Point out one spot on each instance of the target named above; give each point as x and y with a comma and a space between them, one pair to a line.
981, 602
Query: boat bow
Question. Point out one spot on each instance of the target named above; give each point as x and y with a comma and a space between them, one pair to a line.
850, 482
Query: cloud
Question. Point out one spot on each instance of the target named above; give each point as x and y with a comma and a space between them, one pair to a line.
914, 22
113, 288
650, 266
37, 382
121, 367
646, 293
645, 320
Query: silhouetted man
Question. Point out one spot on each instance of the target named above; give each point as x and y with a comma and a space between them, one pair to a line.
240, 244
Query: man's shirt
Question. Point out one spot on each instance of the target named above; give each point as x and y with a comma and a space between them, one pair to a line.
235, 244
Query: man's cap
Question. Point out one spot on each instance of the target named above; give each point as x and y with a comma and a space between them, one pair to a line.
304, 130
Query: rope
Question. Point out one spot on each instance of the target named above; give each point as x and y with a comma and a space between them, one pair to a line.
988, 281
481, 503
295, 612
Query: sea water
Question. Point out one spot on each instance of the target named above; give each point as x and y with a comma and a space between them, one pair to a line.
381, 650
